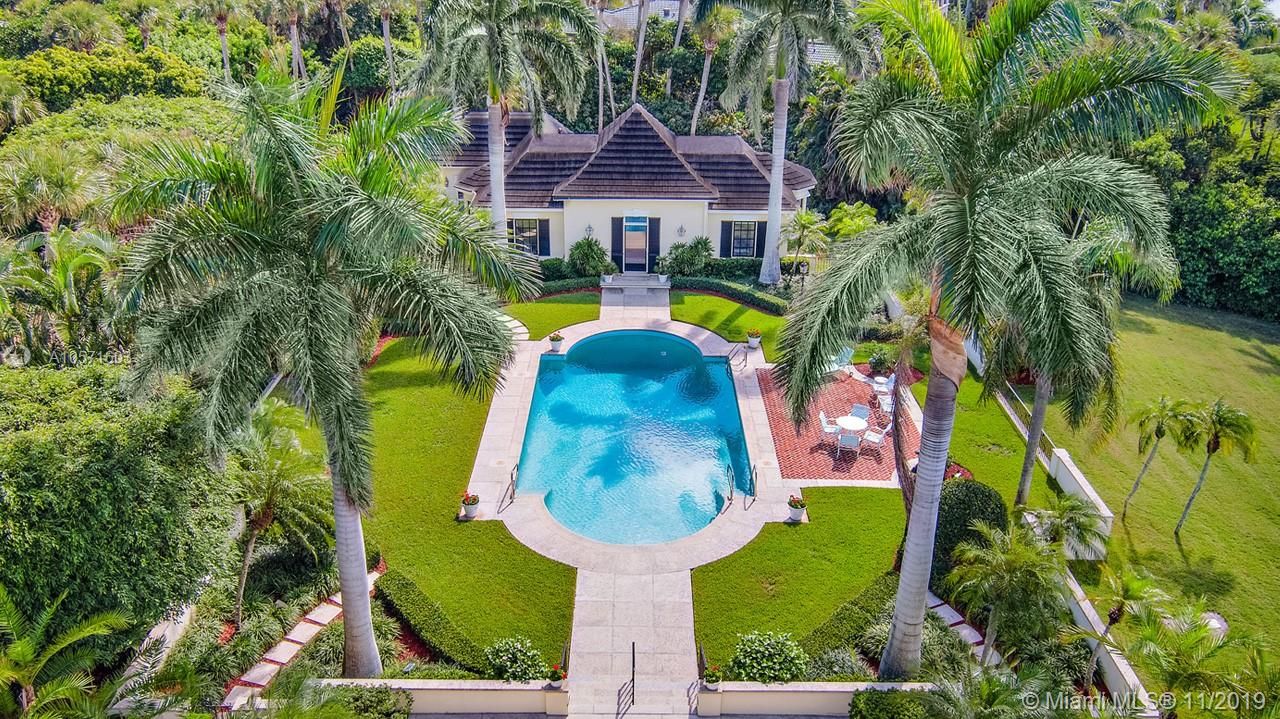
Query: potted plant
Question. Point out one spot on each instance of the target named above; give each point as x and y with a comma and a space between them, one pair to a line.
607, 279
796, 505
470, 505
556, 338
711, 677
753, 338
556, 675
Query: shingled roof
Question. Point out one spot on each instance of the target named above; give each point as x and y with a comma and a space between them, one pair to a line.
635, 157
519, 126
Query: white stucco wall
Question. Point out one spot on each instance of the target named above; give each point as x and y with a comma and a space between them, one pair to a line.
694, 215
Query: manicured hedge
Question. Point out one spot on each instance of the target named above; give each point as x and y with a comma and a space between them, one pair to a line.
405, 600
734, 291
570, 285
887, 705
962, 503
853, 617
732, 268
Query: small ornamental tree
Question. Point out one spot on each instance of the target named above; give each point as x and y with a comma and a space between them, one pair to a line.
767, 657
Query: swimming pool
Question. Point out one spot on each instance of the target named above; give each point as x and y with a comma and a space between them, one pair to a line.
630, 437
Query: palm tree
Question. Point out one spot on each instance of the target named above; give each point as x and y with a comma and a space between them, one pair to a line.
806, 233
519, 47
17, 105
143, 689
1217, 427
81, 25
220, 12
1007, 569
293, 11
386, 9
266, 257
1258, 685
340, 14
642, 24
1072, 522
989, 693
713, 27
991, 141
46, 670
1179, 652
48, 185
1130, 18
1126, 594
1155, 422
772, 47
681, 13
53, 271
281, 487
145, 15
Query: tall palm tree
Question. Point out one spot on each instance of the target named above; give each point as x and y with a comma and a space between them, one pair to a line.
386, 10
991, 141
642, 25
220, 12
1126, 594
293, 11
1217, 427
518, 47
1007, 569
267, 256
280, 486
145, 15
1156, 421
770, 49
53, 270
713, 28
17, 105
48, 185
81, 25
43, 668
681, 14
340, 15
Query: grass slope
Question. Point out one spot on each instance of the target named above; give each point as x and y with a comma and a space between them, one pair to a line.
546, 315
727, 318
791, 578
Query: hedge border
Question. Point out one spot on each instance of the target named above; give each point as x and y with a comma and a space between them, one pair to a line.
850, 619
575, 284
405, 601
733, 291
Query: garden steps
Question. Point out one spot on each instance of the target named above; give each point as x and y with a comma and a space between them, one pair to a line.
970, 635
519, 332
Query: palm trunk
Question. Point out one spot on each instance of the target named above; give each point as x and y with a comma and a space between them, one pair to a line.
226, 52
675, 45
771, 267
601, 79
27, 696
1204, 472
360, 657
144, 32
901, 656
1098, 647
299, 64
386, 45
905, 478
342, 27
1035, 430
497, 168
642, 23
989, 641
244, 574
1141, 473
702, 90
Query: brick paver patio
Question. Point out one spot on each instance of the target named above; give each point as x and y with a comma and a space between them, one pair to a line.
806, 454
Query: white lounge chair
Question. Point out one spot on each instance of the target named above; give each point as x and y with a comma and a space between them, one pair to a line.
847, 441
829, 428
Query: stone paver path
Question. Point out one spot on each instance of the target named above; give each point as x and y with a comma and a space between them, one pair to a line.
610, 613
971, 636
635, 303
518, 331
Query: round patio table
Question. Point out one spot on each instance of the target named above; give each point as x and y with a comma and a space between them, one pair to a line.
851, 423
881, 384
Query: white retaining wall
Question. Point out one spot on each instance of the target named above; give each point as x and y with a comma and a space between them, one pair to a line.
471, 696
792, 699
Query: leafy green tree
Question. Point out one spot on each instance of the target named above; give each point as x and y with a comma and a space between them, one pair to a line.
46, 668
271, 255
713, 28
992, 142
519, 48
846, 221
280, 486
1007, 570
1154, 422
1216, 427
771, 50
81, 25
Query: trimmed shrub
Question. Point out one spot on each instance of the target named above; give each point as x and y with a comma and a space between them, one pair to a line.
515, 660
376, 702
686, 259
739, 269
887, 705
839, 665
943, 651
61, 77
767, 657
963, 502
853, 618
554, 269
740, 293
588, 259
571, 285
406, 601
881, 360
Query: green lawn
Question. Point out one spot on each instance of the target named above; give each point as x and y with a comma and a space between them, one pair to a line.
727, 318
544, 316
425, 437
1230, 544
792, 577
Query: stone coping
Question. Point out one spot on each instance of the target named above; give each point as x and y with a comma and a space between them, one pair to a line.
527, 517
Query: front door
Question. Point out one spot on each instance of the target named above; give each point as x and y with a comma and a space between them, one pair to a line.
635, 242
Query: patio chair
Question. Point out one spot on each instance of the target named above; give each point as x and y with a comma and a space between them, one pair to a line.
841, 361
847, 441
875, 439
886, 405
861, 411
829, 428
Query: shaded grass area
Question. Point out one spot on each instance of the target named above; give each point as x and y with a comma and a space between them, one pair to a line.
727, 318
548, 314
425, 437
1229, 545
791, 578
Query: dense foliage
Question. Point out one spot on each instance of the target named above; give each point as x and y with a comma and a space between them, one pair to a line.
107, 500
963, 502
767, 657
59, 76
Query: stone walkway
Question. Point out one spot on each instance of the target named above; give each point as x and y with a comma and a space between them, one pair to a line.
518, 331
634, 303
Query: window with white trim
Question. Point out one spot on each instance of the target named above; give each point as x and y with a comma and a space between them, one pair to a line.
524, 232
744, 239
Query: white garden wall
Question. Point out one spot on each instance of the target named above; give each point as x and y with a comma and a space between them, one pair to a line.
471, 696
792, 699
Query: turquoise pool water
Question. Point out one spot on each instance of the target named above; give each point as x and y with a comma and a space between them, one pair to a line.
630, 436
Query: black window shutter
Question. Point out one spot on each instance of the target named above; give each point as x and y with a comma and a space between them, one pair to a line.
544, 238
655, 242
617, 242
761, 232
726, 238
511, 230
